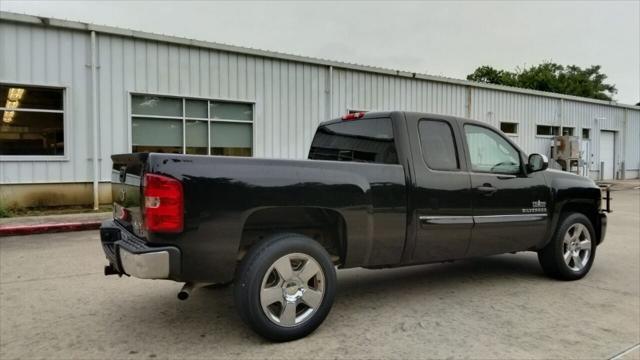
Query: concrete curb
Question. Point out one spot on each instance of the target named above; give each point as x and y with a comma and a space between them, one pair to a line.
48, 228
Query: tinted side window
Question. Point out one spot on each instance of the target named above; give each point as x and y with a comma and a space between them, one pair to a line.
438, 145
367, 140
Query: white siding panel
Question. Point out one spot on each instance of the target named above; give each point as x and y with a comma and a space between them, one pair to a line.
632, 148
374, 92
597, 118
494, 107
51, 57
106, 108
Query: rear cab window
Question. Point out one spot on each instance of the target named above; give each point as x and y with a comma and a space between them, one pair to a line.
438, 145
364, 140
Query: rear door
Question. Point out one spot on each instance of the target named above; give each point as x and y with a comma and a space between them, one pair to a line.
440, 196
509, 205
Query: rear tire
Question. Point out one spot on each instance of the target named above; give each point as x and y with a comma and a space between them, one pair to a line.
570, 253
285, 287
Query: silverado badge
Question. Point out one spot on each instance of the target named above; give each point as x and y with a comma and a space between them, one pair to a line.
536, 207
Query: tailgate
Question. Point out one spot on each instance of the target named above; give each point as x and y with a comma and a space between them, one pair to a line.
126, 190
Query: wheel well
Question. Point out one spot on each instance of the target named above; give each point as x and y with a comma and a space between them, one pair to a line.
325, 226
587, 210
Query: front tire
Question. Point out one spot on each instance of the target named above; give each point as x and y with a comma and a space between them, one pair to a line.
570, 253
285, 287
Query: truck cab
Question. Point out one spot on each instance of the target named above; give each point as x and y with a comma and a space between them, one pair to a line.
468, 187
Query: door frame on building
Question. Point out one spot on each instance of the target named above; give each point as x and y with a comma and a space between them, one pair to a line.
601, 168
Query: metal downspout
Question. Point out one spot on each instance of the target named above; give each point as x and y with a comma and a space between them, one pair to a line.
330, 93
94, 118
468, 105
623, 151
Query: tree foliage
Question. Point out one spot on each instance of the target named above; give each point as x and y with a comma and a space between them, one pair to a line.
551, 77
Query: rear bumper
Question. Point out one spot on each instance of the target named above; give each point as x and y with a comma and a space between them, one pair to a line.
130, 255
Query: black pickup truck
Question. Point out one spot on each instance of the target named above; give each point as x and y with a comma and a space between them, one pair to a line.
382, 189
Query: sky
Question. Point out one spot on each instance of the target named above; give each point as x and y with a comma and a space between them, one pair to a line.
446, 38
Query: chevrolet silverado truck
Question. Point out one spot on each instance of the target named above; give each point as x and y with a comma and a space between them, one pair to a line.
383, 189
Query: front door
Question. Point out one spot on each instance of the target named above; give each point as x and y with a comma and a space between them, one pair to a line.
440, 197
509, 205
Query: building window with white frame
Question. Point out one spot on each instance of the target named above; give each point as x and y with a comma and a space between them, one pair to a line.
509, 128
547, 130
191, 126
567, 131
32, 121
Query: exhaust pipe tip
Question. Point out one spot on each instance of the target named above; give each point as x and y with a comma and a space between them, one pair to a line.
186, 290
183, 295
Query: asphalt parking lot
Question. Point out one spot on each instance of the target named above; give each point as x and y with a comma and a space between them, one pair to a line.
55, 303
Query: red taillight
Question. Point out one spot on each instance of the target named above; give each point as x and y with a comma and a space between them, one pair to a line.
163, 204
353, 116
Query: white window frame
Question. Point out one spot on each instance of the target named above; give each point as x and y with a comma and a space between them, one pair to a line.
548, 136
515, 134
568, 127
184, 118
582, 133
66, 123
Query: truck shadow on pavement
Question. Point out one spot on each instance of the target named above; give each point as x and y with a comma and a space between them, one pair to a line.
209, 317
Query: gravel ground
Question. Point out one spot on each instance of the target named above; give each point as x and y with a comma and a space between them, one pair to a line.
55, 303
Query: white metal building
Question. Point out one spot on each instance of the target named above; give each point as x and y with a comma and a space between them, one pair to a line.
89, 91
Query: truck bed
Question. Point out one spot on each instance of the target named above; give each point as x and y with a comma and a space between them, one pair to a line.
231, 202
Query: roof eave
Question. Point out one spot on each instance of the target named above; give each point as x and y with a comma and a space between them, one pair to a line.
75, 25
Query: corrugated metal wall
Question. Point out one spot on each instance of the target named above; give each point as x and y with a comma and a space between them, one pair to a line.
528, 111
48, 56
596, 118
632, 151
291, 98
365, 91
288, 96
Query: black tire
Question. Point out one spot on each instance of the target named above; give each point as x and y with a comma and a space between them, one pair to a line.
551, 257
249, 284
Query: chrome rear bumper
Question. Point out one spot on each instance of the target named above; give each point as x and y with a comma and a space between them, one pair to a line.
151, 265
130, 255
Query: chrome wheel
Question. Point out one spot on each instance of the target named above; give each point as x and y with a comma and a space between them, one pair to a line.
576, 247
292, 289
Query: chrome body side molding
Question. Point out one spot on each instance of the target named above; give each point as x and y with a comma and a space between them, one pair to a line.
446, 220
484, 219
508, 218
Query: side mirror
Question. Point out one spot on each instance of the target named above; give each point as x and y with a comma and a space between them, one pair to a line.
537, 162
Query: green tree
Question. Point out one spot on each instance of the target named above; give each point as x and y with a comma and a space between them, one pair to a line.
551, 77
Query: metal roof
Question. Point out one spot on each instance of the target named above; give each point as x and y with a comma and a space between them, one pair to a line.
76, 25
